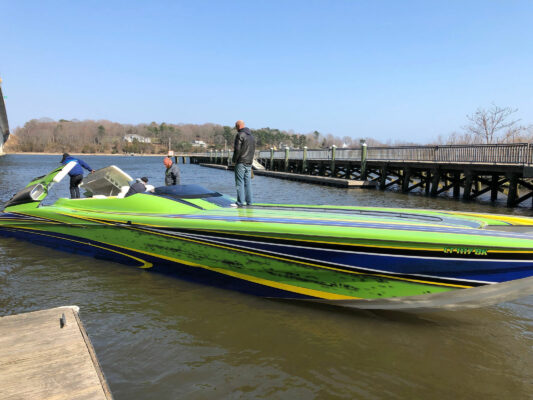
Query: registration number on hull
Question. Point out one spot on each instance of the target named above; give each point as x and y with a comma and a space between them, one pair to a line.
465, 251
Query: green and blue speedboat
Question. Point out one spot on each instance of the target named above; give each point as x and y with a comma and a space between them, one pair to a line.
350, 256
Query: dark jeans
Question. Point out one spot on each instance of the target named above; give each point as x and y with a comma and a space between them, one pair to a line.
243, 183
74, 183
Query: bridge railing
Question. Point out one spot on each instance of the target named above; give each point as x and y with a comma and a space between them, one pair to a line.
407, 153
515, 153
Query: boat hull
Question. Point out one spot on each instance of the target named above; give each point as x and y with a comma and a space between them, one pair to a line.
264, 273
283, 267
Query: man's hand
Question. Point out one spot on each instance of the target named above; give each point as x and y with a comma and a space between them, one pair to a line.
92, 171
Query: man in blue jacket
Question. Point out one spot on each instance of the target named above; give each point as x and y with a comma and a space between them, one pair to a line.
76, 174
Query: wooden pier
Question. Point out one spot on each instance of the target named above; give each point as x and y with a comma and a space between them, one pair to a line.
48, 355
490, 172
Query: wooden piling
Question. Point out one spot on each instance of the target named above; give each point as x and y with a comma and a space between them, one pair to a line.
494, 187
456, 184
513, 190
467, 194
427, 181
435, 182
383, 177
406, 179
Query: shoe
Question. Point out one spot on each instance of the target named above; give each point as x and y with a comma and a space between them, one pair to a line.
234, 205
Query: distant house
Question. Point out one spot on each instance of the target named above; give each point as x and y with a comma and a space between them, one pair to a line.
198, 143
139, 138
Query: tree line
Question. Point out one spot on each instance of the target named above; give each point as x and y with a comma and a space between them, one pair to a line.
47, 135
486, 125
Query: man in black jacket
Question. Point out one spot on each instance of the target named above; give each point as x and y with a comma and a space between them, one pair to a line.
243, 157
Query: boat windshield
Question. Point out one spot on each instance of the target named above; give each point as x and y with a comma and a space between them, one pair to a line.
184, 192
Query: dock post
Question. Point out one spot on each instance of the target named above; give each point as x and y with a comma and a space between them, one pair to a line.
333, 148
494, 188
271, 159
513, 190
383, 177
435, 182
286, 158
427, 182
210, 156
304, 161
363, 159
468, 185
456, 184
406, 178
477, 185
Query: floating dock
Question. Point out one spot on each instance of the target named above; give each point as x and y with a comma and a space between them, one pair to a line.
48, 355
216, 166
323, 180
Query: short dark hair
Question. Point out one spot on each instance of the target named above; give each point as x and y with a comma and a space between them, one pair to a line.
144, 179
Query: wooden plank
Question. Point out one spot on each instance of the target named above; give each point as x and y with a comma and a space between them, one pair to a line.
40, 358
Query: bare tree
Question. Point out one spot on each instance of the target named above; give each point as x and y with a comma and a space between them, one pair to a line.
488, 123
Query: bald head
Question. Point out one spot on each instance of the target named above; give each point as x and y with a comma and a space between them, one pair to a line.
239, 124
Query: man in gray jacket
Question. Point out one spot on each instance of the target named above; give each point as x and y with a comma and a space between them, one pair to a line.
172, 173
243, 157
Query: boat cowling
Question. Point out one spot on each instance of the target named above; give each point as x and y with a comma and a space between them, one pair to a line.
28, 195
37, 190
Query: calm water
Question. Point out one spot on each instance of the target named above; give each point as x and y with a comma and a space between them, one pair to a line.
162, 338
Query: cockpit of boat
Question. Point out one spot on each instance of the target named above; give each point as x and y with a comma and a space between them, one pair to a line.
105, 182
113, 183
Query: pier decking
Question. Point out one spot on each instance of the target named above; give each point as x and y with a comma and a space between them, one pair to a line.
48, 355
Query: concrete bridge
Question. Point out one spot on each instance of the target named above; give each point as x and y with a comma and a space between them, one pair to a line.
459, 171
4, 126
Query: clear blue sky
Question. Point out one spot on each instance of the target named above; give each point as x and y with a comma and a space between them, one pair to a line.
407, 70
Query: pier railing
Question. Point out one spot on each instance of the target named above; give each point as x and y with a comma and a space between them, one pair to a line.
516, 153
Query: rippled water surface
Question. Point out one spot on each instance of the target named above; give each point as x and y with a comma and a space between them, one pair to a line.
158, 337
